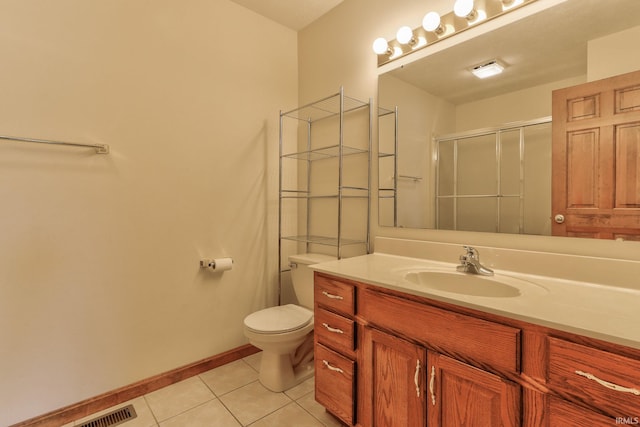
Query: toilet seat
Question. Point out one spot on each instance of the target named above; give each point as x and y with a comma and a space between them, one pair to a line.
279, 319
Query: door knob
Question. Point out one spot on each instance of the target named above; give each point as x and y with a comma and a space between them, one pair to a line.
559, 219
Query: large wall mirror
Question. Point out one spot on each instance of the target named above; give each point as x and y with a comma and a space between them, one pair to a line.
461, 153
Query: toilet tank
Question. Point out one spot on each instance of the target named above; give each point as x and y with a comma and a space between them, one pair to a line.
302, 276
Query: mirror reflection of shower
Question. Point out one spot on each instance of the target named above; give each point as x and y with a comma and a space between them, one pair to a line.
495, 180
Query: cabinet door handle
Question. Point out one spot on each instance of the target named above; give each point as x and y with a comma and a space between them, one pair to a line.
330, 329
432, 384
332, 296
609, 385
416, 378
332, 368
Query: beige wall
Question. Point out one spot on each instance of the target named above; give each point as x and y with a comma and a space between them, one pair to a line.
609, 56
526, 104
420, 116
337, 50
99, 278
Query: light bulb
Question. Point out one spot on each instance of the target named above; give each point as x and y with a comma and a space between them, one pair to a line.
404, 35
431, 22
508, 4
380, 46
463, 8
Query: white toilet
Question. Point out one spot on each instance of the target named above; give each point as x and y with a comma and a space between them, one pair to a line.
285, 333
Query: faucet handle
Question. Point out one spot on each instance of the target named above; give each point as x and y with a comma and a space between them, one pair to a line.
471, 252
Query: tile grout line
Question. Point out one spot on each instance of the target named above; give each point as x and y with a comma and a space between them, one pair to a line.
220, 400
306, 410
146, 402
215, 397
270, 413
187, 410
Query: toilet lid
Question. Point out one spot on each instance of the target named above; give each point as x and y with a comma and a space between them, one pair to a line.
279, 319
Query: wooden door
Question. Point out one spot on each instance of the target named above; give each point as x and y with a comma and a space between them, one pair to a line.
462, 395
596, 159
394, 380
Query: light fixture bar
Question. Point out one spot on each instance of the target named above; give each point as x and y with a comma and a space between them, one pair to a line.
434, 30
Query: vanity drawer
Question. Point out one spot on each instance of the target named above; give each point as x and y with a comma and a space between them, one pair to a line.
335, 294
475, 341
335, 383
604, 380
334, 330
563, 413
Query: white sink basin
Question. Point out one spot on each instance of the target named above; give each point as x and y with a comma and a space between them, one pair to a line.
496, 286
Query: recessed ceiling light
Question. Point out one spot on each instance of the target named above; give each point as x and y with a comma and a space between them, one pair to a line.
488, 69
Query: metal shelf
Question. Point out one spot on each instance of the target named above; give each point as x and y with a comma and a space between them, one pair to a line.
341, 110
332, 151
301, 194
331, 106
324, 240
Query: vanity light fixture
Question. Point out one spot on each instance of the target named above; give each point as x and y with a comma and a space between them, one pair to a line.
381, 46
508, 4
436, 27
405, 35
432, 22
487, 69
465, 9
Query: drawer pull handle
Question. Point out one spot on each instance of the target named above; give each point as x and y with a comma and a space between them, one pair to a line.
432, 383
416, 378
332, 296
330, 329
609, 385
332, 368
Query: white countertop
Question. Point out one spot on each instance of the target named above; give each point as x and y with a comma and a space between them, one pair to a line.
599, 311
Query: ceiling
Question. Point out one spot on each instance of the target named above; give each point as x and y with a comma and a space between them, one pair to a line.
548, 46
295, 14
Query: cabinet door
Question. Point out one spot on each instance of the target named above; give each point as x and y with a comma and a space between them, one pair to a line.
394, 380
462, 395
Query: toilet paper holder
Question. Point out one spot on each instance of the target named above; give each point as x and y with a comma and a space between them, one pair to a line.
217, 263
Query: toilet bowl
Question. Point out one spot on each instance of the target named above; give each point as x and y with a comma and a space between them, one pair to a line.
285, 333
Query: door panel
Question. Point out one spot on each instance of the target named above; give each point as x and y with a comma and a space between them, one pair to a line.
582, 168
395, 377
595, 159
628, 161
462, 395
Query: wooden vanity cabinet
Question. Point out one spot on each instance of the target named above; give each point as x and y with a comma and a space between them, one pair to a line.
416, 375
604, 380
393, 376
563, 413
335, 345
412, 361
463, 395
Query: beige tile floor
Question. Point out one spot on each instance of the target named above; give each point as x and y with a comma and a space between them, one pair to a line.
227, 396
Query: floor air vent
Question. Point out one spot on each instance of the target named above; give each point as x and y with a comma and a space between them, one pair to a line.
112, 418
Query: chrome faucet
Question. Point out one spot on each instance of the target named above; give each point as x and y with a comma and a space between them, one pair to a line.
470, 263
